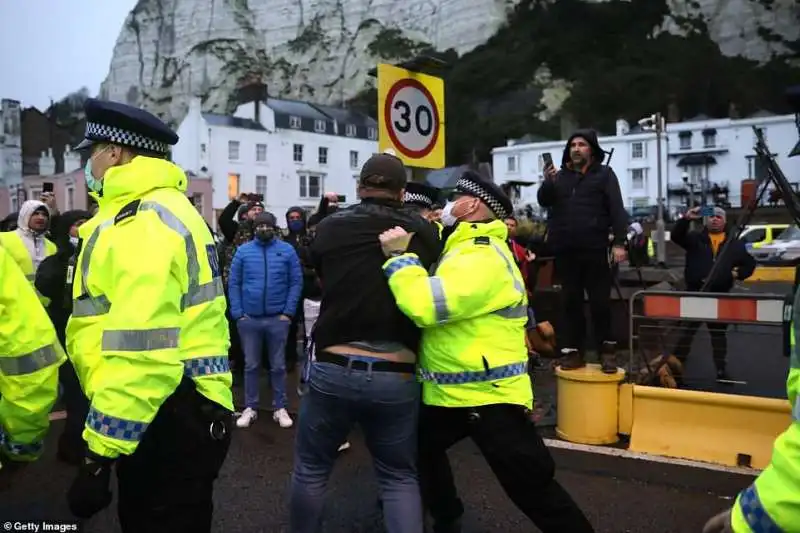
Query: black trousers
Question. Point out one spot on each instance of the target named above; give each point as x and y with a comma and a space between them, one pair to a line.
589, 271
70, 442
516, 454
719, 341
291, 340
167, 485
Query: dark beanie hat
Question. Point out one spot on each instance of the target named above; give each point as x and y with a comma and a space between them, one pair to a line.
267, 218
383, 171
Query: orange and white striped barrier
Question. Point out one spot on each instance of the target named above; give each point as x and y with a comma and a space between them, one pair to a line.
734, 308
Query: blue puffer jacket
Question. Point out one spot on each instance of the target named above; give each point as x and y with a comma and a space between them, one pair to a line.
265, 280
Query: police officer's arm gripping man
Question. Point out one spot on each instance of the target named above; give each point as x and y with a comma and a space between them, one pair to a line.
30, 355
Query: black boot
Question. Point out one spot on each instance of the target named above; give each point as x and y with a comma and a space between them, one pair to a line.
571, 359
608, 357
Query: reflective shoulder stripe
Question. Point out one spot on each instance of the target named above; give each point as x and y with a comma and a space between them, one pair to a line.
400, 263
518, 285
116, 428
754, 513
140, 340
30, 362
19, 448
478, 376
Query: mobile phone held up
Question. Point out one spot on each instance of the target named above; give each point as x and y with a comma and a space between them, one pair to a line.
707, 211
47, 186
547, 159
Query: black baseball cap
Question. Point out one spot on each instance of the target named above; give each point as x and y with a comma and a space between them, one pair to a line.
383, 171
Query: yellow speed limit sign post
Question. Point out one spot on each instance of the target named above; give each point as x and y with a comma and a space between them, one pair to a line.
411, 116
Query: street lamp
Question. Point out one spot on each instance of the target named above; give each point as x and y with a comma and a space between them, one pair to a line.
656, 123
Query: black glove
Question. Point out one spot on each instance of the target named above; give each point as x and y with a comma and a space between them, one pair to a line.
89, 493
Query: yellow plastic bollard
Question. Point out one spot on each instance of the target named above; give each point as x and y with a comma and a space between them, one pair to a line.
588, 405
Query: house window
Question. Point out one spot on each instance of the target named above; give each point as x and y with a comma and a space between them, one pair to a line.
511, 163
297, 153
686, 141
637, 179
322, 156
697, 174
350, 130
310, 186
372, 133
319, 126
261, 186
295, 122
233, 150
353, 159
203, 149
709, 139
261, 153
233, 186
637, 151
70, 198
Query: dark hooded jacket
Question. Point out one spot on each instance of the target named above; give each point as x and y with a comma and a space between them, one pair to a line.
301, 241
51, 276
583, 204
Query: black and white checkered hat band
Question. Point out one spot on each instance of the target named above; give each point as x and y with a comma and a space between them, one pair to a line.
417, 198
474, 189
112, 134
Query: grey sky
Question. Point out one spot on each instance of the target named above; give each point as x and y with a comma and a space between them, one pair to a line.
49, 48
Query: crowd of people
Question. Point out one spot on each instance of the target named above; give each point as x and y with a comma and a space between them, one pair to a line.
416, 317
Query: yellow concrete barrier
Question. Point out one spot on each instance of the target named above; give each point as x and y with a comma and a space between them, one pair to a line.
587, 402
772, 273
625, 417
724, 429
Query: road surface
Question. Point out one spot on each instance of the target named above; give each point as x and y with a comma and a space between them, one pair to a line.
618, 495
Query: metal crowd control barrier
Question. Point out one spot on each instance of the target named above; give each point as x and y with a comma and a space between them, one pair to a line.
735, 429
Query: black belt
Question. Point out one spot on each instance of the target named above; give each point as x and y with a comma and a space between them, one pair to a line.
357, 364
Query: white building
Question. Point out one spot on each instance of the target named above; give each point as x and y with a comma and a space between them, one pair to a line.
11, 189
291, 152
705, 155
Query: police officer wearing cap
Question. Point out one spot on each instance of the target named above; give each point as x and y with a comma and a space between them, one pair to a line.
148, 335
421, 197
473, 361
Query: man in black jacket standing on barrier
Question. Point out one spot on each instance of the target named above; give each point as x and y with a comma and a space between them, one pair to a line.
584, 202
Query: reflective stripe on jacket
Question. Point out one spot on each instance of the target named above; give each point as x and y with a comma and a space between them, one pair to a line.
772, 503
473, 311
30, 355
148, 305
12, 242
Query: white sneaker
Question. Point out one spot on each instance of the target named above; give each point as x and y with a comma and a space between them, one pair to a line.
281, 416
344, 446
247, 417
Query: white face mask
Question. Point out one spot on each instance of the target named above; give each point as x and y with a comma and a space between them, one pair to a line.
448, 218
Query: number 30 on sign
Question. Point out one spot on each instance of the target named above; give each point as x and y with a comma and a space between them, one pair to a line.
411, 116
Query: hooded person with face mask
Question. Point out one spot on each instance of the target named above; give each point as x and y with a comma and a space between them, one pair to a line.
27, 244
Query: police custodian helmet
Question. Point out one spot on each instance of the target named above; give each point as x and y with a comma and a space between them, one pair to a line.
124, 125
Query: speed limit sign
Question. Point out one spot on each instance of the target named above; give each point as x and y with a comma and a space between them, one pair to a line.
411, 115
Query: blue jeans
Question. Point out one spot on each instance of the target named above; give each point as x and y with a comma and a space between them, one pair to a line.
386, 406
255, 332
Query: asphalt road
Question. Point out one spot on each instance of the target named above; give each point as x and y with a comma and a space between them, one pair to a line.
618, 495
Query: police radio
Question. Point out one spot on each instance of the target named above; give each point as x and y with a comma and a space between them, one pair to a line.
71, 265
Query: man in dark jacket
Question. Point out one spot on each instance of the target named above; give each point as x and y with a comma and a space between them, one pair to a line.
702, 252
51, 281
298, 236
584, 202
365, 353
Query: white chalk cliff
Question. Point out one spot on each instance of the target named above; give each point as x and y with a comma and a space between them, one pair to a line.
321, 50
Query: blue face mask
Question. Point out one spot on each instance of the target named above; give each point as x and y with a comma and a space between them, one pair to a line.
92, 183
296, 225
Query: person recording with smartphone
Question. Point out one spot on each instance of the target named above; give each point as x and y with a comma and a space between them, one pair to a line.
703, 249
584, 202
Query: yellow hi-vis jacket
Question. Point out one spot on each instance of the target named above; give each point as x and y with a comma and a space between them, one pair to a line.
12, 242
30, 355
473, 311
148, 306
772, 503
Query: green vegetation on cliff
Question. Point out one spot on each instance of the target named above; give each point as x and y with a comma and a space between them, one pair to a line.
617, 67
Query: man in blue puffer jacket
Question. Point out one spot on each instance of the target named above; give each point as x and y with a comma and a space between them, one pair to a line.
265, 285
